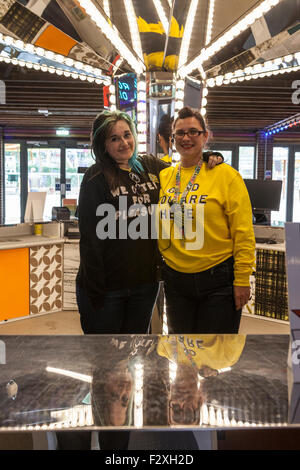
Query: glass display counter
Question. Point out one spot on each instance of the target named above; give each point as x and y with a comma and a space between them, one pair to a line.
139, 383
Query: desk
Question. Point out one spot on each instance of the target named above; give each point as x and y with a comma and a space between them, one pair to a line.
55, 383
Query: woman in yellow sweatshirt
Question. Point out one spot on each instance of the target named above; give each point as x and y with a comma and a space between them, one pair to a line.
206, 236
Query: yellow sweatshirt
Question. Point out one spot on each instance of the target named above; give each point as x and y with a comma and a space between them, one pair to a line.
217, 222
167, 158
214, 351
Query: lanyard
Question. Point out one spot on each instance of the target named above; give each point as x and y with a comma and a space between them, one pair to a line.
189, 185
178, 203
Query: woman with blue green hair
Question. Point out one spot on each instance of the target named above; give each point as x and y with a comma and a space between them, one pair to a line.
117, 281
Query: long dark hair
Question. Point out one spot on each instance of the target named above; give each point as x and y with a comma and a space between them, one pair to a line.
102, 125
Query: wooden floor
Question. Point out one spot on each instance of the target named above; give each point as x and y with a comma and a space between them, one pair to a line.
68, 323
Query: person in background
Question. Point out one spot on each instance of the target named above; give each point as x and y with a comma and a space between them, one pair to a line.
117, 281
164, 136
210, 251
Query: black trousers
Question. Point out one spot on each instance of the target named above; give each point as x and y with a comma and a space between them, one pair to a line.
201, 302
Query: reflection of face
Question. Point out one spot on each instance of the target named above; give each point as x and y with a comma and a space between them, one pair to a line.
120, 142
118, 389
190, 147
184, 398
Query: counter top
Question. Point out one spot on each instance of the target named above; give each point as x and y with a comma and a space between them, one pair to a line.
23, 241
141, 382
271, 246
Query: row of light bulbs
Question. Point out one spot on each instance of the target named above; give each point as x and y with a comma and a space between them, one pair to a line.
50, 55
161, 14
210, 21
51, 69
283, 125
277, 66
185, 43
179, 97
142, 114
133, 28
233, 32
112, 35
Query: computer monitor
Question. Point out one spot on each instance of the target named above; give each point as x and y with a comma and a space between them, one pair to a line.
264, 195
35, 207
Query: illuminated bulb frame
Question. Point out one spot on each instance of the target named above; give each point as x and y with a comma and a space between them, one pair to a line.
210, 21
39, 51
161, 14
267, 69
112, 35
185, 44
234, 31
141, 115
112, 97
204, 100
106, 7
133, 28
179, 103
51, 69
282, 125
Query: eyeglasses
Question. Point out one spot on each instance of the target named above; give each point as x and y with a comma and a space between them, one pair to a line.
184, 414
189, 133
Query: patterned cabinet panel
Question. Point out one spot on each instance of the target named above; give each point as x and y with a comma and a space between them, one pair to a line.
71, 265
271, 296
46, 267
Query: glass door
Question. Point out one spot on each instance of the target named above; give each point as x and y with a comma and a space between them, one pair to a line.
280, 172
227, 154
75, 158
12, 182
296, 206
246, 161
44, 175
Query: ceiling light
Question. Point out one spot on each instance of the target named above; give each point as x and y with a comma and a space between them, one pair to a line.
185, 43
161, 14
112, 35
236, 29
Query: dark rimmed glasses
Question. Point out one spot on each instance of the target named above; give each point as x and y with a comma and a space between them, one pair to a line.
190, 133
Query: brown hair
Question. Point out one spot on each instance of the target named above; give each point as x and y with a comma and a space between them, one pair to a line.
102, 125
187, 112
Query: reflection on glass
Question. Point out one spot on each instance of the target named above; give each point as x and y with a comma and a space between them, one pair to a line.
74, 159
246, 162
193, 359
112, 394
12, 182
296, 209
43, 173
279, 172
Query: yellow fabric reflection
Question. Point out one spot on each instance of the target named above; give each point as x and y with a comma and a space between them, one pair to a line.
145, 27
214, 351
156, 59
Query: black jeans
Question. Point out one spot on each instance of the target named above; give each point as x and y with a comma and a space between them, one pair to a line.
125, 311
201, 302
